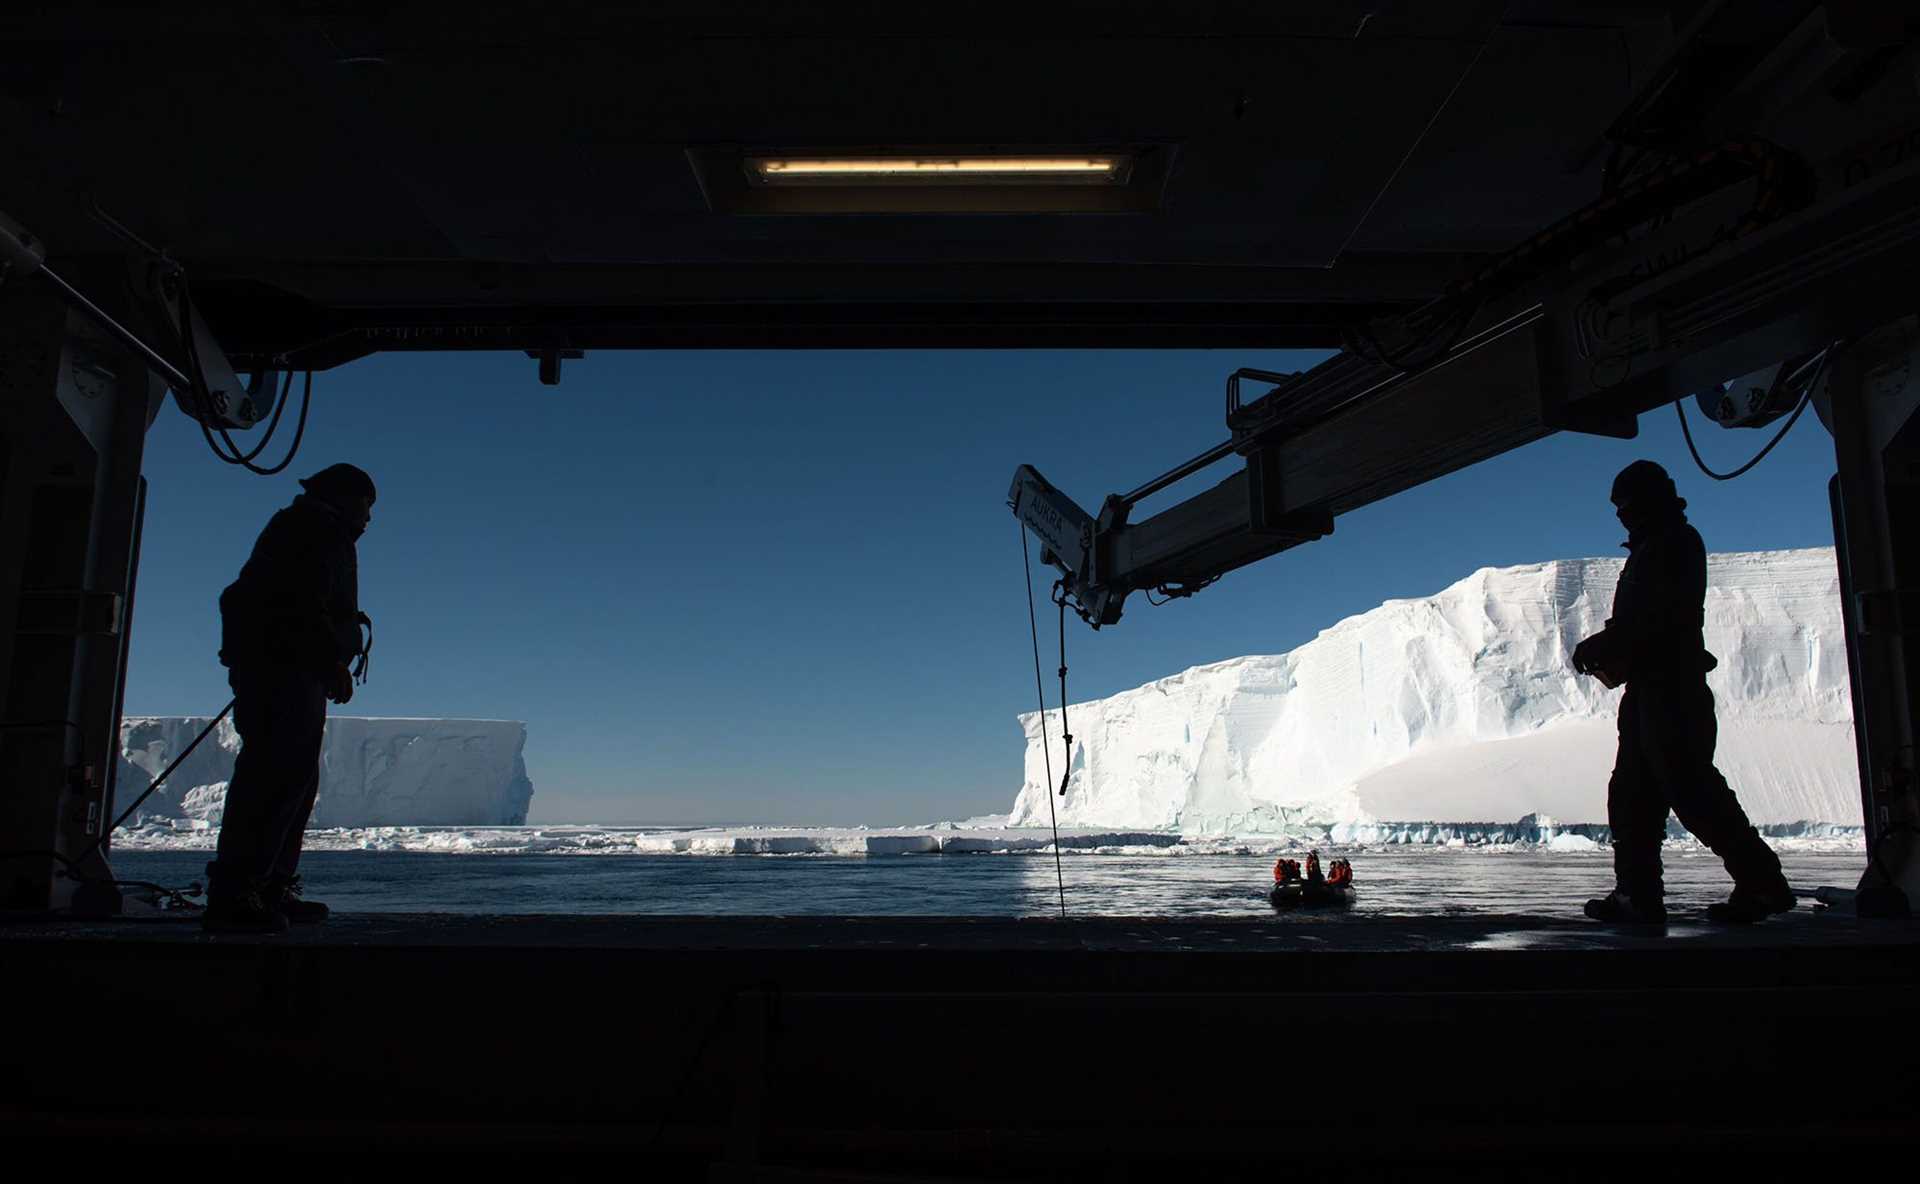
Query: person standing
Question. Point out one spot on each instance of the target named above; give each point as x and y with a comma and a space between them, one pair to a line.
290, 631
1654, 644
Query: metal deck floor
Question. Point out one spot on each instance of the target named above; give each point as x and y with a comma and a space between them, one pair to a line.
1805, 927
970, 1048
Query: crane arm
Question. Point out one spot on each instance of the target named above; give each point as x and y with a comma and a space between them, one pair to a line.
1582, 335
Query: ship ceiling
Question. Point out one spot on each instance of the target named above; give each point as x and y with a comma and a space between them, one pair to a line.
388, 176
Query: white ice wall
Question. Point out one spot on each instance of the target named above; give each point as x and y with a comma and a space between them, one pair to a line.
1462, 707
373, 772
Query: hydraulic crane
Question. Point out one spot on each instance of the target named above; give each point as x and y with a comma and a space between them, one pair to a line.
1744, 259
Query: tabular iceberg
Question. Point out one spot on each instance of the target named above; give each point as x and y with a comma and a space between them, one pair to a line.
373, 772
1461, 708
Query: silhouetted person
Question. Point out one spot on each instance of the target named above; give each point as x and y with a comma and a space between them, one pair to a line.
290, 628
1653, 643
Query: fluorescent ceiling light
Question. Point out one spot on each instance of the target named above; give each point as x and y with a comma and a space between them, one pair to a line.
1051, 169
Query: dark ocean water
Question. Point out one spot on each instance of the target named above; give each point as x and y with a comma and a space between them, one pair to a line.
1394, 881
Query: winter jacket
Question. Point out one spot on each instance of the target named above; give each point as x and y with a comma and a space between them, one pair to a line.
296, 604
1659, 605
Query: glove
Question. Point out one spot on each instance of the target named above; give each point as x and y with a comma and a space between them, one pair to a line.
1595, 656
1586, 654
340, 684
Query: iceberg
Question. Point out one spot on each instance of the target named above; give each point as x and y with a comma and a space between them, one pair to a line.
373, 772
1447, 718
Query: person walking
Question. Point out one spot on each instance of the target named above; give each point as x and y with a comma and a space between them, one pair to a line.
1654, 644
290, 631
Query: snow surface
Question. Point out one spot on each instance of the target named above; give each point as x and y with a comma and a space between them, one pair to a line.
1449, 717
373, 772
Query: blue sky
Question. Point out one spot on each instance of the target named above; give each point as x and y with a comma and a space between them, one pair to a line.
784, 586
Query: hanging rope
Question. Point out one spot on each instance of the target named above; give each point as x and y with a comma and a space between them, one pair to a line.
158, 781
175, 898
1066, 733
365, 657
1046, 753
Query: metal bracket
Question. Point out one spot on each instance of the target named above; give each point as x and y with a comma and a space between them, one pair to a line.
1106, 598
230, 401
1887, 610
550, 360
20, 252
69, 612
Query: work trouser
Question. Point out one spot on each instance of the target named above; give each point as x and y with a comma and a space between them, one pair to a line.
281, 716
1667, 737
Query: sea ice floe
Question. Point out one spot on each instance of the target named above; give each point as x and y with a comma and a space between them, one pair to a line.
1525, 834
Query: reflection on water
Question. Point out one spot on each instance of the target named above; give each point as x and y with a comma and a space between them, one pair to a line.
1398, 881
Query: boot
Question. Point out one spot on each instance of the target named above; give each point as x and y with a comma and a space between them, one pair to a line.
1747, 904
239, 904
284, 893
1618, 908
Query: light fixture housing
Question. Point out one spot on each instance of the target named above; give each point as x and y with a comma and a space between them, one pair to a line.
1026, 169
934, 179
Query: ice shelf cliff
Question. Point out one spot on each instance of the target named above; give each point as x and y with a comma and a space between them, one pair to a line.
373, 772
1461, 708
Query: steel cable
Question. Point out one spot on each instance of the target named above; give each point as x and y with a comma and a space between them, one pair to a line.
1039, 690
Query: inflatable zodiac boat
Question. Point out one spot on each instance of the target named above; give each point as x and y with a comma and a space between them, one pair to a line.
1292, 890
